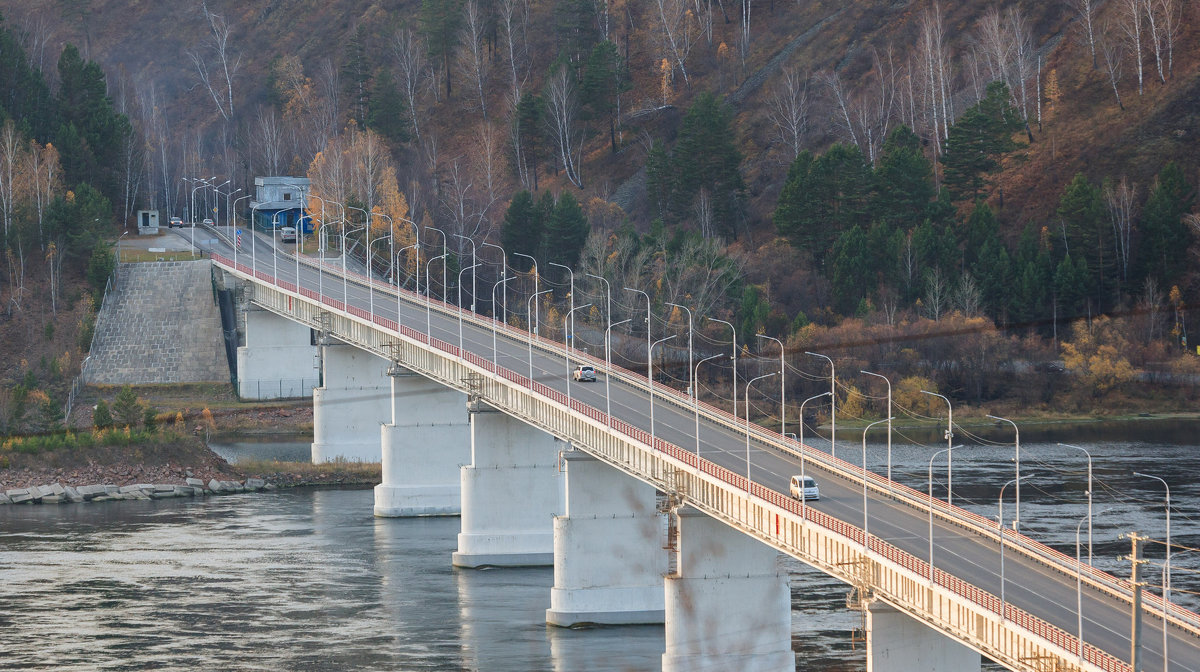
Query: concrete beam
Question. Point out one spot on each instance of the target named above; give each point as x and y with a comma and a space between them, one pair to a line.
896, 642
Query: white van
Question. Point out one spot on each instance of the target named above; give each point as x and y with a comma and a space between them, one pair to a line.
287, 234
811, 491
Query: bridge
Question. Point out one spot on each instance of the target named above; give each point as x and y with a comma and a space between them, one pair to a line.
480, 419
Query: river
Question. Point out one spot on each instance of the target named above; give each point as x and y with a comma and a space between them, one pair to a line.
308, 579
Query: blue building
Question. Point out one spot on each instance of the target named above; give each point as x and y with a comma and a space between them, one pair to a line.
280, 202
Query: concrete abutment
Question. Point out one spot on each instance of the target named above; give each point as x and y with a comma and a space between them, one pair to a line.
897, 642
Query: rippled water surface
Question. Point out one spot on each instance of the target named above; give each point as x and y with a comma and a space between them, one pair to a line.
309, 580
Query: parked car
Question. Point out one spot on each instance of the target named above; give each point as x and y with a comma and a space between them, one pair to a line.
175, 223
287, 234
585, 374
811, 491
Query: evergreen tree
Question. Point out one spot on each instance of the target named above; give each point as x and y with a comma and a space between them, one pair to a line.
387, 114
1071, 286
992, 270
1089, 237
440, 21
126, 409
522, 228
575, 30
903, 181
566, 231
1162, 254
981, 228
24, 95
356, 76
706, 157
850, 269
93, 135
823, 197
101, 416
531, 114
977, 141
605, 78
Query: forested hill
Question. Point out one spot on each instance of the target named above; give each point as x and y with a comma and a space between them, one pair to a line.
776, 164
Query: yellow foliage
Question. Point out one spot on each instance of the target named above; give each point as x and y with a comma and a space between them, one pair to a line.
853, 403
1094, 356
907, 394
206, 417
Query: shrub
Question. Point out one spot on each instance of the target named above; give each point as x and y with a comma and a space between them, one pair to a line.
150, 419
126, 409
101, 416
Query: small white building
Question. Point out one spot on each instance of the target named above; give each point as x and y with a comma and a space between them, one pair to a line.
147, 222
280, 202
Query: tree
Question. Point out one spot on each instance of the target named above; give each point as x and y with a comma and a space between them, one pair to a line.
1094, 355
789, 111
978, 140
440, 23
1162, 254
903, 181
823, 197
91, 139
356, 75
562, 105
522, 228
220, 83
101, 416
604, 80
387, 113
1089, 238
126, 408
529, 140
566, 231
707, 158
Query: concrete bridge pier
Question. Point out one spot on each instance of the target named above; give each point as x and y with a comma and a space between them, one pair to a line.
510, 493
424, 446
727, 605
352, 402
278, 360
608, 548
897, 642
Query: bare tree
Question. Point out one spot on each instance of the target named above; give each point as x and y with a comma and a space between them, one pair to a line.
1121, 199
564, 110
1008, 51
1155, 36
1111, 50
10, 159
841, 101
967, 297
220, 83
788, 110
1086, 11
268, 140
935, 72
510, 20
472, 59
677, 33
1170, 14
45, 174
1130, 12
936, 294
1151, 305
410, 56
486, 163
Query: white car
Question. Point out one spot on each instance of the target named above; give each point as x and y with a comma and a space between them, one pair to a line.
585, 374
287, 234
810, 491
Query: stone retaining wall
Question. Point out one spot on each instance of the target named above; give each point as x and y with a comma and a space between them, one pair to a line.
159, 325
58, 494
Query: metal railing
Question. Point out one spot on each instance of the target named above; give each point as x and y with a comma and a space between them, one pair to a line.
947, 603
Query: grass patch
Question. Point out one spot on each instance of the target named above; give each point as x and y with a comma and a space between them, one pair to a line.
136, 256
357, 471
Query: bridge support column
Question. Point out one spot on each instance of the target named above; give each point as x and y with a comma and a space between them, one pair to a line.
897, 642
424, 446
510, 493
278, 360
351, 404
608, 549
727, 605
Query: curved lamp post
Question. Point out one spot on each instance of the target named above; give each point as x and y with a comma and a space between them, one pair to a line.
696, 400
1166, 563
568, 318
889, 416
428, 319
803, 450
734, 334
691, 381
949, 442
832, 404
782, 388
460, 330
346, 231
607, 296
650, 379
930, 502
445, 253
608, 367
532, 308
503, 276
1079, 582
1000, 520
568, 337
503, 282
1089, 495
233, 215
866, 518
473, 265
1017, 516
748, 385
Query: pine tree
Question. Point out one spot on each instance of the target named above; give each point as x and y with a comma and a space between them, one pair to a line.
566, 231
126, 409
903, 181
530, 118
440, 20
1162, 254
605, 78
823, 197
356, 75
706, 157
978, 140
387, 114
522, 228
1089, 237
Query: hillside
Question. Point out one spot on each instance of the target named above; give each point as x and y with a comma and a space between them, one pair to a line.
606, 100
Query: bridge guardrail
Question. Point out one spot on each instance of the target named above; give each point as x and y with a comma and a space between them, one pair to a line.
482, 366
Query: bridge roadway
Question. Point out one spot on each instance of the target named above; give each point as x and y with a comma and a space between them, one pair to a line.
1045, 592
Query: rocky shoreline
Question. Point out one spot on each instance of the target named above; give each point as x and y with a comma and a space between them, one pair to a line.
57, 493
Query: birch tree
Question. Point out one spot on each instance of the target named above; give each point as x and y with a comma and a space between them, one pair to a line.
1110, 49
512, 32
1085, 10
788, 111
677, 34
268, 140
563, 108
1121, 201
217, 77
11, 159
472, 60
1130, 13
410, 57
1170, 14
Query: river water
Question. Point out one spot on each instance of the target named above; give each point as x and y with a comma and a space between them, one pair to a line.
309, 580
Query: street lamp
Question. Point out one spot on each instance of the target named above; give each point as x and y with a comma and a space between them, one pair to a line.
345, 253
691, 380
1089, 495
889, 415
933, 457
445, 253
866, 519
473, 265
650, 378
949, 441
503, 282
1166, 563
233, 217
428, 320
803, 449
608, 367
1079, 581
607, 295
1017, 516
748, 385
532, 308
460, 331
536, 277
733, 332
696, 400
503, 275
569, 317
371, 270
399, 292
832, 404
1000, 520
782, 388
571, 302
119, 248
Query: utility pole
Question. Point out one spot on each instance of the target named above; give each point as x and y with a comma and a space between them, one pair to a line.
1135, 656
